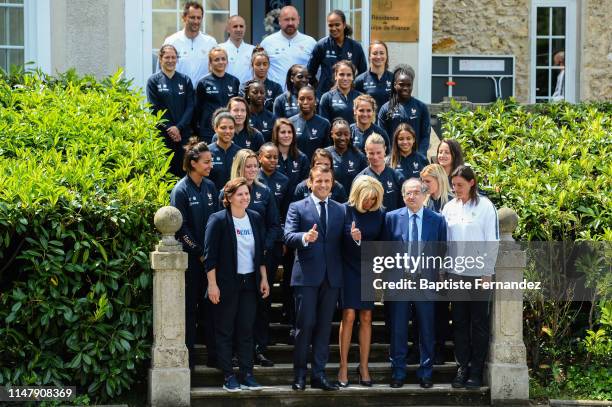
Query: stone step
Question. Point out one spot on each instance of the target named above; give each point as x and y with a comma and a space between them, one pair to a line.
355, 396
282, 374
282, 353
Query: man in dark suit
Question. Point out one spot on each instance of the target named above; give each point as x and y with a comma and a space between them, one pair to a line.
314, 227
415, 225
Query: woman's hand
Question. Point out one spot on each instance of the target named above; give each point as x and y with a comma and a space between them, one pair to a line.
214, 295
355, 233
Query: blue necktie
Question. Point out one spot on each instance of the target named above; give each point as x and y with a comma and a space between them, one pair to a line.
323, 218
414, 237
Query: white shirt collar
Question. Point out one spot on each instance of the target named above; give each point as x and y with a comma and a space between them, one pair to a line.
297, 33
317, 200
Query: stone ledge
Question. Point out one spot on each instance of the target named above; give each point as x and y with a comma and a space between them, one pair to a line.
560, 403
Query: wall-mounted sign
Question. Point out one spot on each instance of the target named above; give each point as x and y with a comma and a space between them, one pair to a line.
395, 20
493, 65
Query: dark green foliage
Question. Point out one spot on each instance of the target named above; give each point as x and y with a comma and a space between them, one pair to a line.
82, 172
548, 162
551, 164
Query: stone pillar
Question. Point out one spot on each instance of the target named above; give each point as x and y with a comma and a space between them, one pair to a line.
507, 372
169, 376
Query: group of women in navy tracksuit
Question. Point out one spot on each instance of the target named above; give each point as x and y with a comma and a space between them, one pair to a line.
255, 147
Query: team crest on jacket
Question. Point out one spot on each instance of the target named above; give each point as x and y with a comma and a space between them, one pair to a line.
388, 83
295, 164
230, 88
209, 196
314, 132
389, 184
180, 86
351, 164
257, 195
413, 110
269, 93
349, 55
278, 187
415, 165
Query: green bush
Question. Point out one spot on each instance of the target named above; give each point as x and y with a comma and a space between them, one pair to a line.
548, 162
82, 173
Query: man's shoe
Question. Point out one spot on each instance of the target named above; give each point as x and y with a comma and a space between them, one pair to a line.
262, 360
474, 382
249, 383
323, 384
426, 382
460, 378
231, 384
299, 384
396, 383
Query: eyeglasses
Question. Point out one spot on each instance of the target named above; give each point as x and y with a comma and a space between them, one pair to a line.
412, 193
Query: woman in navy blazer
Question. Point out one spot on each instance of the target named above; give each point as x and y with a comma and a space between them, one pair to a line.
235, 266
364, 221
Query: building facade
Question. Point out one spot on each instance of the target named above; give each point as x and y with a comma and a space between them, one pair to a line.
101, 36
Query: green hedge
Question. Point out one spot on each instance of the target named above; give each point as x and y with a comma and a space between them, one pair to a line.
82, 173
549, 162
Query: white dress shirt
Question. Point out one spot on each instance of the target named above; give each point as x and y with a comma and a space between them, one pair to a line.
318, 208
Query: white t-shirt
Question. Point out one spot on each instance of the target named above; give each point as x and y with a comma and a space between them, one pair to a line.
239, 60
193, 54
473, 223
285, 52
245, 244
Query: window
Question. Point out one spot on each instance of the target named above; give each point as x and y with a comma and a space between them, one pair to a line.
167, 19
553, 51
353, 11
12, 46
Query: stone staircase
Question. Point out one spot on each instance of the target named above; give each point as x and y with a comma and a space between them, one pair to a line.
206, 382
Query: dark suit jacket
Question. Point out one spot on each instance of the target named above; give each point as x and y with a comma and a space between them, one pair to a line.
434, 230
220, 249
312, 261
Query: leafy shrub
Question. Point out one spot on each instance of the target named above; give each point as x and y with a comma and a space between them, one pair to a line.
82, 172
550, 163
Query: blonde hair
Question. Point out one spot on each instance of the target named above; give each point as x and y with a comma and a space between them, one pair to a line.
437, 171
214, 50
366, 187
239, 164
375, 138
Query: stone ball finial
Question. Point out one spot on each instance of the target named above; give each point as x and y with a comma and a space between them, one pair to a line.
168, 220
508, 220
